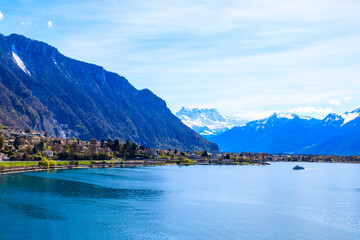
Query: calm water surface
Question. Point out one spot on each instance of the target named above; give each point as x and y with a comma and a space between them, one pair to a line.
197, 202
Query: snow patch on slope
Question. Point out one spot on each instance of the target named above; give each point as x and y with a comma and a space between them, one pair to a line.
348, 117
285, 115
19, 62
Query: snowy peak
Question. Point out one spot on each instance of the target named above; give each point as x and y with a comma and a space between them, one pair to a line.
343, 119
206, 121
195, 113
281, 120
290, 133
333, 118
285, 116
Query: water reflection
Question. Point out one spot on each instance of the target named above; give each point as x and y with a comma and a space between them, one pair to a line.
71, 188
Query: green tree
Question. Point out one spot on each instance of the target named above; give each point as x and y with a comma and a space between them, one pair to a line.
116, 145
35, 149
41, 145
133, 149
17, 142
205, 154
44, 162
109, 143
2, 140
52, 163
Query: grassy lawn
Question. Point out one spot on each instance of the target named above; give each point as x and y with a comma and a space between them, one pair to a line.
19, 164
35, 163
84, 162
62, 162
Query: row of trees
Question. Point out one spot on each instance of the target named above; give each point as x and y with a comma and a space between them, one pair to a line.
73, 149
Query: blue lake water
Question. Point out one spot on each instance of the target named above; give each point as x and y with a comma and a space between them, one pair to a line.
196, 202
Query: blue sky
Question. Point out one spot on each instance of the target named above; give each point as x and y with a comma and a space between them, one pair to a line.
247, 58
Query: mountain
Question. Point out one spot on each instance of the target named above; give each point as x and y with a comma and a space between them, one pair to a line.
290, 133
207, 122
47, 91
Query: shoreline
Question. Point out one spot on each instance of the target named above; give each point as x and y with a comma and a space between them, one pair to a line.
15, 170
18, 169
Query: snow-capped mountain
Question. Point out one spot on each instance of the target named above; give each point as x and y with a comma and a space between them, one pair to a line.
208, 122
342, 119
290, 133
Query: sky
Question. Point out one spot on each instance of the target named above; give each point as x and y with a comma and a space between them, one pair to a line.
247, 58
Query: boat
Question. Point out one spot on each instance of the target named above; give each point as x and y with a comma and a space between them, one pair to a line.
297, 167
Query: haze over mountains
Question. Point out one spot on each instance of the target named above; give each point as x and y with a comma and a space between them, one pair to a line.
44, 90
208, 122
290, 133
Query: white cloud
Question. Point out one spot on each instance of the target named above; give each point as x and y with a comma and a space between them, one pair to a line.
50, 24
1, 15
237, 56
335, 102
311, 109
347, 99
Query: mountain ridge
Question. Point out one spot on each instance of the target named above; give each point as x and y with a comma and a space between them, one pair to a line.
290, 133
48, 91
207, 122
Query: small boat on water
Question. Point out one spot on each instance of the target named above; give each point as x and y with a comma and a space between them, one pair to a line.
297, 167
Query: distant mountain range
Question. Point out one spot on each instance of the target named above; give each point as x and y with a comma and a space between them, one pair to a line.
290, 133
44, 90
208, 122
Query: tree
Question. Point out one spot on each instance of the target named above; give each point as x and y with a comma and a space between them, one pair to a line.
35, 149
205, 154
109, 143
102, 143
2, 140
133, 149
52, 163
41, 145
93, 148
17, 142
44, 162
74, 146
128, 145
116, 145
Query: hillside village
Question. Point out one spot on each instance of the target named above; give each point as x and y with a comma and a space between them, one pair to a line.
28, 145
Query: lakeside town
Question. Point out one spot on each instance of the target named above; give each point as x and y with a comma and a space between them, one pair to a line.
27, 148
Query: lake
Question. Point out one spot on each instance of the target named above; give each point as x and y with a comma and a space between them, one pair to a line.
194, 202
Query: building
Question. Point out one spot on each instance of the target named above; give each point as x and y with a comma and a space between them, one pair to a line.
48, 153
3, 157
